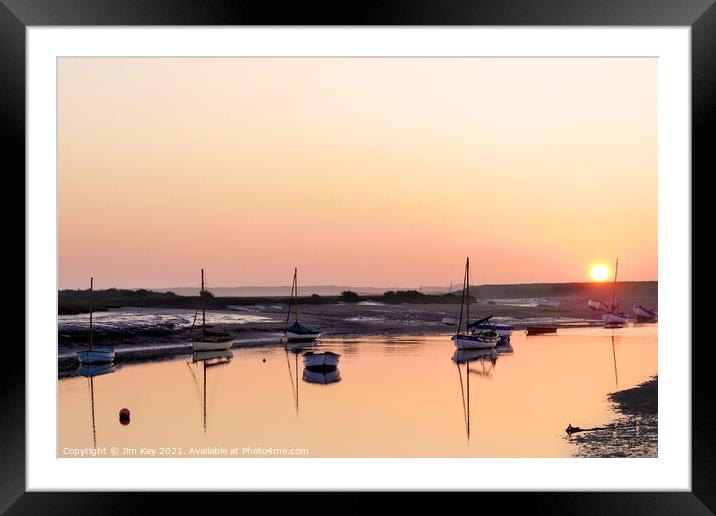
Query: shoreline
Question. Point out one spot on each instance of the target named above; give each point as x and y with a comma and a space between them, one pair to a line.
634, 431
141, 333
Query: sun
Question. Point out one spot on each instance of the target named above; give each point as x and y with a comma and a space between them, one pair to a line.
600, 272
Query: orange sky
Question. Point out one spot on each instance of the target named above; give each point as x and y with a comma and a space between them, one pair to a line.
367, 172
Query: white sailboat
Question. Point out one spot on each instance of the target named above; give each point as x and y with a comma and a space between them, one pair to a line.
472, 338
208, 343
95, 354
298, 332
615, 316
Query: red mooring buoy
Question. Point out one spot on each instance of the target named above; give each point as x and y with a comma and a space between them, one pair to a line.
124, 416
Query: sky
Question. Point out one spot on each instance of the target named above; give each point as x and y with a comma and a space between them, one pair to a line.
358, 171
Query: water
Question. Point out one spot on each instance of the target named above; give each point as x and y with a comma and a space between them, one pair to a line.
397, 397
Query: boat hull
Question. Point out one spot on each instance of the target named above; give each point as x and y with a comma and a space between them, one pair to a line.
541, 330
474, 342
205, 345
643, 312
203, 356
326, 359
97, 355
599, 306
614, 318
301, 337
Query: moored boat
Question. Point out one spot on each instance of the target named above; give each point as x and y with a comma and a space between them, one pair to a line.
541, 330
208, 343
298, 332
323, 359
95, 354
615, 315
472, 338
597, 305
644, 312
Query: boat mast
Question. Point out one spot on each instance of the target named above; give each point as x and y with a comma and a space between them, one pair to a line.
90, 311
295, 285
203, 308
614, 287
467, 300
462, 301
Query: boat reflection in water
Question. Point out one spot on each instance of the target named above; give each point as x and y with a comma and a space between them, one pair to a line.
321, 375
504, 347
207, 359
89, 371
476, 361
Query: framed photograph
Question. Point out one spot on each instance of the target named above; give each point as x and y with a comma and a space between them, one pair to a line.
425, 249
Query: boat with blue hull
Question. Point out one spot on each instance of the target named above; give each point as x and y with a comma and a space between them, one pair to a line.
95, 354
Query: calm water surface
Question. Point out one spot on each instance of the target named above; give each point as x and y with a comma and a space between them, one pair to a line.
396, 397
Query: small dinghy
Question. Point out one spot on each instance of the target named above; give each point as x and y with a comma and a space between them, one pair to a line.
615, 316
472, 338
207, 342
642, 312
541, 330
95, 354
324, 359
298, 332
449, 320
599, 306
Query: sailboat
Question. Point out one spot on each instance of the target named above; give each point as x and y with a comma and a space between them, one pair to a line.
644, 313
298, 332
210, 359
95, 354
615, 316
472, 337
208, 343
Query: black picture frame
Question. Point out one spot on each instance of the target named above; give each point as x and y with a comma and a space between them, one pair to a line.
700, 15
